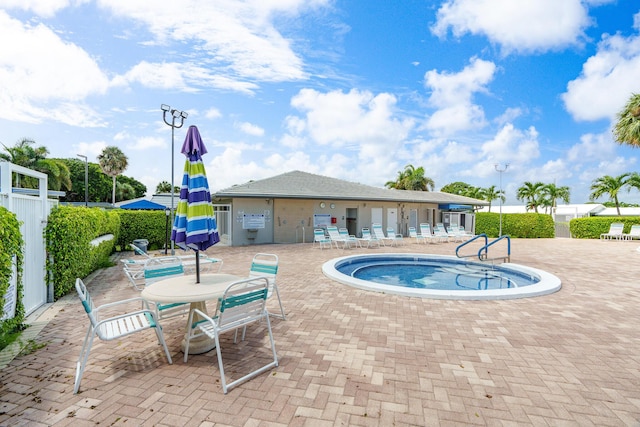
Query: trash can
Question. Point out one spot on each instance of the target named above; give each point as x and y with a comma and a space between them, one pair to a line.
141, 244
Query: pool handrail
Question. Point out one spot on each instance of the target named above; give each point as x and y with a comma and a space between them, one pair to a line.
486, 242
483, 252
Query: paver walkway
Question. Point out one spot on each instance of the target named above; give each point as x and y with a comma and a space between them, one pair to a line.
349, 357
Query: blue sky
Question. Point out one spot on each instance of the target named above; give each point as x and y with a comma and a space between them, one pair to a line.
354, 90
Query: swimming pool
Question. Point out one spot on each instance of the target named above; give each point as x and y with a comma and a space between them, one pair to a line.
440, 276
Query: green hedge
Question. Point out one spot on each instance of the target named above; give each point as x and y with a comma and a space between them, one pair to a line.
68, 234
528, 225
10, 245
593, 227
138, 224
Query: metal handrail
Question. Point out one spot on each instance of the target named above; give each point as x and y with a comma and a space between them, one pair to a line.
482, 235
486, 249
483, 252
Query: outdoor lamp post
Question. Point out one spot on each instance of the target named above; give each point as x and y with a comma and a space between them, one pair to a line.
167, 211
175, 114
500, 169
86, 179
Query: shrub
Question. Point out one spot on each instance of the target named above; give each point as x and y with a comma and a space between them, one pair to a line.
527, 225
592, 227
148, 225
10, 246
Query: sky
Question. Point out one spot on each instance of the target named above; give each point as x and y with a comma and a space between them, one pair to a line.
354, 90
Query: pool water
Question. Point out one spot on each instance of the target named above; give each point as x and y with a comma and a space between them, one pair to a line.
425, 274
440, 277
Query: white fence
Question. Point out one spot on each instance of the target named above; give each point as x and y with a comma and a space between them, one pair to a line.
32, 209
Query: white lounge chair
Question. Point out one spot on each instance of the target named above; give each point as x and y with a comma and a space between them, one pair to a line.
336, 238
348, 239
320, 239
115, 327
440, 232
377, 231
413, 234
395, 238
615, 232
634, 233
427, 234
368, 238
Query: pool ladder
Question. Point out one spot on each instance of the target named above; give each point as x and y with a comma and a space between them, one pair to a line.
483, 252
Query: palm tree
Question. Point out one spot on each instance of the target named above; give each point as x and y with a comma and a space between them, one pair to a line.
411, 179
24, 154
531, 193
610, 185
163, 187
113, 162
627, 129
491, 193
552, 193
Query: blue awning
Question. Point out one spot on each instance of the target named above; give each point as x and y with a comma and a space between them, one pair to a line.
143, 204
451, 207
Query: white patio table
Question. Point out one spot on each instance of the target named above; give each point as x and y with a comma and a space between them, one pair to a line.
185, 289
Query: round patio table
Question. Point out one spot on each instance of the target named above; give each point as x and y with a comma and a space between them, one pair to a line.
179, 289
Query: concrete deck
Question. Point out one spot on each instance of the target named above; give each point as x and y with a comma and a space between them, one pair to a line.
349, 357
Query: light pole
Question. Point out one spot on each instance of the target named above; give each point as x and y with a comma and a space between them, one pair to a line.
86, 179
500, 170
175, 114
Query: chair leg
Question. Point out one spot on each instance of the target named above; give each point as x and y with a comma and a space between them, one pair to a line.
160, 336
82, 359
282, 315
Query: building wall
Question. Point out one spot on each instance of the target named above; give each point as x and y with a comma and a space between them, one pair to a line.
292, 220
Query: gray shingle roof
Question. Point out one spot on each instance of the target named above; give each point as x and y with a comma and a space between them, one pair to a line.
303, 185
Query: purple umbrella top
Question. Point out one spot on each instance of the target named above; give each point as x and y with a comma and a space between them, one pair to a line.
193, 142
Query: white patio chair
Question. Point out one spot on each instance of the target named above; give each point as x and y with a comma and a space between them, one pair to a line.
156, 269
112, 328
320, 239
368, 238
349, 240
243, 304
395, 238
615, 231
377, 231
427, 234
413, 234
266, 265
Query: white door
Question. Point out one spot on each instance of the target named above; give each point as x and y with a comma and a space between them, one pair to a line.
392, 219
413, 218
376, 216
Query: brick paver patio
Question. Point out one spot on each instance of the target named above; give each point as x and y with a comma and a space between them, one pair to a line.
350, 357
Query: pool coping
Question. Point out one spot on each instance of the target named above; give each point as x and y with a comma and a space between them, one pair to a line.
548, 284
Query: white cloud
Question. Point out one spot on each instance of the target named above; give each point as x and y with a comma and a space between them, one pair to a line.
237, 40
591, 148
509, 115
146, 143
212, 113
452, 93
521, 26
44, 8
607, 79
512, 145
44, 77
249, 128
357, 119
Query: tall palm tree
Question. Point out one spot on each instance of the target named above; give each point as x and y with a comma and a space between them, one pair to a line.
609, 185
24, 154
552, 193
113, 162
163, 187
627, 129
491, 193
531, 194
411, 178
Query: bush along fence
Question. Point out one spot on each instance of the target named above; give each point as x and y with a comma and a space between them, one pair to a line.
11, 267
593, 227
527, 226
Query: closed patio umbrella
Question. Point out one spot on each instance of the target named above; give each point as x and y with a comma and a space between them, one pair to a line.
195, 225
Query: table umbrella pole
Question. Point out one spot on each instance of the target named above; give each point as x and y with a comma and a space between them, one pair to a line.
197, 266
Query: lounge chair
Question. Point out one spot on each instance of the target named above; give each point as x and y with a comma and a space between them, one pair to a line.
207, 264
413, 234
440, 232
320, 239
336, 238
368, 238
379, 233
395, 238
615, 232
348, 239
427, 234
634, 233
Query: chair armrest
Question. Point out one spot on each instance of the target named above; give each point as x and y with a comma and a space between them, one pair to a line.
125, 315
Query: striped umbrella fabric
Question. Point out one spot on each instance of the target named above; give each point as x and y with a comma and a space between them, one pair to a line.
195, 225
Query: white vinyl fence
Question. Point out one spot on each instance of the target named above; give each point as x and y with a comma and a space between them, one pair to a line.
32, 209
